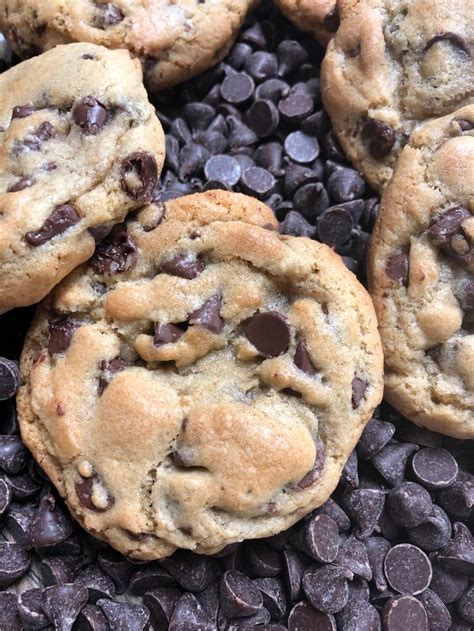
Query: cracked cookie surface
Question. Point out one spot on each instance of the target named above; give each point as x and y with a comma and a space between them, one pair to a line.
392, 65
80, 146
202, 380
174, 40
318, 17
421, 271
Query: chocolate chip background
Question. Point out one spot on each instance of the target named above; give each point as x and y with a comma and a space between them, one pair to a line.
254, 124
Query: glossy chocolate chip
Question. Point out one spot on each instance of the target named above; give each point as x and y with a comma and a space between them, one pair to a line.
183, 265
30, 610
60, 569
408, 569
61, 219
150, 577
117, 567
23, 111
345, 185
20, 185
359, 386
452, 38
447, 233
193, 572
261, 561
189, 614
409, 504
91, 618
49, 526
315, 472
98, 584
5, 497
208, 316
262, 65
375, 436
85, 492
138, 176
391, 461
14, 562
434, 533
125, 615
435, 468
326, 587
161, 602
301, 148
380, 138
9, 381
404, 612
239, 595
439, 618
269, 332
274, 599
302, 359
13, 455
60, 335
115, 255
90, 115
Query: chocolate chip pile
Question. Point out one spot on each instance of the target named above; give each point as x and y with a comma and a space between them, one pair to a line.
392, 549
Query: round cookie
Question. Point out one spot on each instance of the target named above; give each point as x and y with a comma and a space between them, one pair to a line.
318, 17
392, 65
80, 146
174, 40
421, 270
202, 380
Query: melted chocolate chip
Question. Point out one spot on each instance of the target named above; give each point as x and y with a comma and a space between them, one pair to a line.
331, 20
61, 219
315, 473
60, 335
208, 316
269, 332
116, 255
447, 233
359, 386
23, 111
167, 334
184, 265
464, 124
90, 115
397, 268
379, 136
21, 184
84, 489
138, 176
109, 15
453, 38
303, 360
109, 369
34, 141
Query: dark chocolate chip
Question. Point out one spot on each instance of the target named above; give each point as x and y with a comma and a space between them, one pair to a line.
458, 499
359, 615
303, 617
9, 618
331, 21
336, 513
237, 88
296, 107
61, 219
263, 117
261, 561
60, 569
98, 584
391, 461
435, 468
5, 497
150, 577
377, 548
18, 520
117, 567
13, 455
447, 233
345, 185
60, 335
91, 618
84, 489
34, 140
22, 486
453, 38
274, 599
240, 135
457, 556
109, 15
335, 226
167, 334
30, 610
109, 368
350, 472
448, 586
14, 562
193, 572
184, 265
20, 185
466, 605
125, 615
269, 332
192, 158
199, 115
408, 569
294, 565
397, 268
115, 255
464, 124
239, 595
189, 614
262, 65
296, 225
375, 436
303, 360
439, 618
352, 555
311, 200
138, 176
364, 507
23, 111
319, 538
161, 603
326, 587
222, 168
404, 612
409, 504
49, 526
359, 387
434, 533
63, 603
379, 136
301, 148
258, 182
90, 115
315, 472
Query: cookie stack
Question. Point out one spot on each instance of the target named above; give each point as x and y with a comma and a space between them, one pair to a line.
198, 374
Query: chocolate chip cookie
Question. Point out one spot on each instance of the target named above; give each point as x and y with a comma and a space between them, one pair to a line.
318, 17
202, 380
421, 271
80, 146
393, 65
174, 40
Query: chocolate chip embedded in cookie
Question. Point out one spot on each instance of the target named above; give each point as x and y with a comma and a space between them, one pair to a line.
202, 381
392, 66
174, 40
421, 271
318, 17
80, 146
